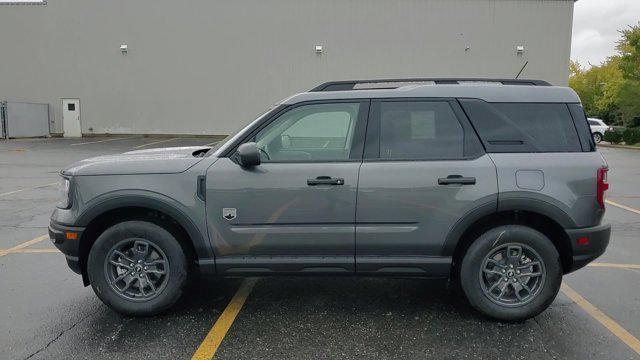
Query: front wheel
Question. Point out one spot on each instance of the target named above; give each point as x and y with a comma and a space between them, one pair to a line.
511, 273
137, 268
597, 137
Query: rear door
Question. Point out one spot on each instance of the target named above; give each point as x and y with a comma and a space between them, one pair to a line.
296, 210
424, 169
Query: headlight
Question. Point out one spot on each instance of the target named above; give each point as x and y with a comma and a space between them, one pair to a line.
65, 199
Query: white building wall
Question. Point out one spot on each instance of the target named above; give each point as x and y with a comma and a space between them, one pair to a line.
210, 66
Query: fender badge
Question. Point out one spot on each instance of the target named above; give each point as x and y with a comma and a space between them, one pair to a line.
229, 213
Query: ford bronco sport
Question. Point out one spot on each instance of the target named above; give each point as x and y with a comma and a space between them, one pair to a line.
493, 184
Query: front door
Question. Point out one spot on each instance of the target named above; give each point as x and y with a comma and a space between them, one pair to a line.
296, 211
424, 169
71, 118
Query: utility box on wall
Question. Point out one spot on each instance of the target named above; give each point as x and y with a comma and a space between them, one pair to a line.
22, 119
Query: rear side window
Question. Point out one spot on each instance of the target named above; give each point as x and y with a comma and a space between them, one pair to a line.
593, 123
523, 127
411, 130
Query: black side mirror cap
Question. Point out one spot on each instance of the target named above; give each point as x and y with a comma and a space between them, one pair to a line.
247, 155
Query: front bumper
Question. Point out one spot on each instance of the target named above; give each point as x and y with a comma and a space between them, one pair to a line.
67, 240
585, 251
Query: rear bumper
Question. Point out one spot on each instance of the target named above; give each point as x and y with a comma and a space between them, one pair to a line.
68, 245
598, 239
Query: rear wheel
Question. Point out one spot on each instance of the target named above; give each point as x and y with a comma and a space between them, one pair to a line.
137, 268
597, 137
511, 273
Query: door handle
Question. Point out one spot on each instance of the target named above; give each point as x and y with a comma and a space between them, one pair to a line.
325, 180
457, 179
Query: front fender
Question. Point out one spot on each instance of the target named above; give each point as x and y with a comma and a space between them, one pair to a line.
153, 201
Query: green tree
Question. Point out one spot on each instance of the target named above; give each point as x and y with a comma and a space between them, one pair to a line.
629, 94
611, 90
598, 88
629, 49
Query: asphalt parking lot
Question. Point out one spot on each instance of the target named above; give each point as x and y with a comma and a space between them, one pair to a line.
46, 313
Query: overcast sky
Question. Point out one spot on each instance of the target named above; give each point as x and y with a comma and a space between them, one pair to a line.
595, 27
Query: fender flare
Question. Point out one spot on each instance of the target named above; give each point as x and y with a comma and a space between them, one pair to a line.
516, 201
152, 201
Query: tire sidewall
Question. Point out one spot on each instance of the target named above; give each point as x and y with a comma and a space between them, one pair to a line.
483, 245
159, 237
597, 137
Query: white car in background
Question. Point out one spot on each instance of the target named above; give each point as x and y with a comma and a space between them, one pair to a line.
598, 128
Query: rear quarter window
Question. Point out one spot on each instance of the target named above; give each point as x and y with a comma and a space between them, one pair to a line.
523, 127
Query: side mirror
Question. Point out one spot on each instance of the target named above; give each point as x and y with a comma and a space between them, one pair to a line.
247, 155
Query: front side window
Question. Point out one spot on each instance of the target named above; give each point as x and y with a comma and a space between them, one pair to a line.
419, 130
317, 132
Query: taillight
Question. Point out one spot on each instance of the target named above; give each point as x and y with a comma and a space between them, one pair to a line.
603, 185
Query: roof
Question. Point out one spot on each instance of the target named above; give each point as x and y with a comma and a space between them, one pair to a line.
489, 93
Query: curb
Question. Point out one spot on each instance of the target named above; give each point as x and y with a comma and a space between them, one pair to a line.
619, 146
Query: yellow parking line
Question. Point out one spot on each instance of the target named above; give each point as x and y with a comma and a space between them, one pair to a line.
23, 245
212, 341
615, 328
153, 143
625, 207
31, 188
37, 251
617, 266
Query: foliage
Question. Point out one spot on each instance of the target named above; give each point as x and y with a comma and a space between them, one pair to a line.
611, 91
629, 49
614, 137
631, 136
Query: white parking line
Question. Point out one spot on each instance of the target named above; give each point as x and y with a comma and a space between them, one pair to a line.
153, 143
99, 141
213, 143
31, 188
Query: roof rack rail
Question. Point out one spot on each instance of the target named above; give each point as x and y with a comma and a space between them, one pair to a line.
353, 84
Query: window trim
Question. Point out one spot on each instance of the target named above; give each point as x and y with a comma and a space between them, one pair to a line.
472, 146
357, 143
578, 115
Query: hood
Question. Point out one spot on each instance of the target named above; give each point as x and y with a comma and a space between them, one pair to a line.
152, 161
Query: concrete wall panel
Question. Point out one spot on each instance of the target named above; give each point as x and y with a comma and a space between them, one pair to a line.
210, 66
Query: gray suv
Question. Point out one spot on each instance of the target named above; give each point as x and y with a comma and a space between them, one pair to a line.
495, 185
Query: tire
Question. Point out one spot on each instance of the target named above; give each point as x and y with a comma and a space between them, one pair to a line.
164, 266
597, 137
509, 301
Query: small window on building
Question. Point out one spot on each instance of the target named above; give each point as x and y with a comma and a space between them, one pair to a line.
71, 107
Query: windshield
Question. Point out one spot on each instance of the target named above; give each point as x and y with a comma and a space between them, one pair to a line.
234, 133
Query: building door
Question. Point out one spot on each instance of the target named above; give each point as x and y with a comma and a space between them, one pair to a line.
71, 118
